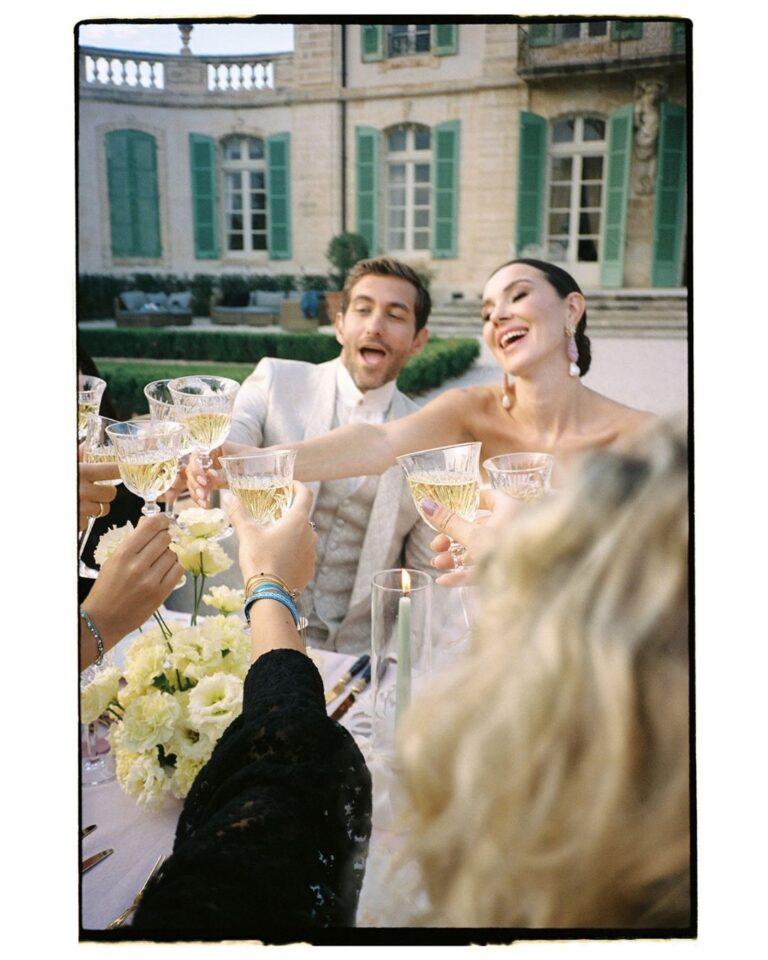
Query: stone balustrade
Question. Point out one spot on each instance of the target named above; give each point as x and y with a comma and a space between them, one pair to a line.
144, 72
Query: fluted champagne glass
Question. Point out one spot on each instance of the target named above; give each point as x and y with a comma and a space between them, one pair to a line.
97, 448
523, 476
450, 476
205, 409
148, 458
89, 394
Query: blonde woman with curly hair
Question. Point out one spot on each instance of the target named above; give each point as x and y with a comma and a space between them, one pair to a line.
548, 775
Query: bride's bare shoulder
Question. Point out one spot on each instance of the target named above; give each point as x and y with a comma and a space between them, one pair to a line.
625, 421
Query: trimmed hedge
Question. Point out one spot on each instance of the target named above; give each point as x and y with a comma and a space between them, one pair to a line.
222, 346
439, 361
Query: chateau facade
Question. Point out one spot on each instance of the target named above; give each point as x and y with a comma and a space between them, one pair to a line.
454, 147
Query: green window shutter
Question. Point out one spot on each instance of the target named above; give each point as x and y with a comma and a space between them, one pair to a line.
530, 180
541, 34
678, 37
279, 196
669, 209
626, 29
367, 205
445, 38
445, 188
133, 197
372, 42
202, 157
616, 195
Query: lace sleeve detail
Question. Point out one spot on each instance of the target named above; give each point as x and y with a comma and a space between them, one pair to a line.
273, 836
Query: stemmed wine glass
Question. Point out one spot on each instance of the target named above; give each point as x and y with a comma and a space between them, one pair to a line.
162, 409
97, 448
524, 476
205, 408
89, 393
262, 482
449, 476
148, 458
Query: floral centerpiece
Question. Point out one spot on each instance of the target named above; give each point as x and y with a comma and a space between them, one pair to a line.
181, 685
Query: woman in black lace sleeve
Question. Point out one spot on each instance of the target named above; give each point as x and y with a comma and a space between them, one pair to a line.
272, 840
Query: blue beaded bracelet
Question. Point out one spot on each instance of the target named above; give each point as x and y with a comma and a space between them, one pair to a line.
96, 636
268, 592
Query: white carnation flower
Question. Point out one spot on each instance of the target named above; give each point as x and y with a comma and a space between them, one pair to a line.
214, 703
97, 696
150, 720
110, 541
184, 774
142, 777
197, 522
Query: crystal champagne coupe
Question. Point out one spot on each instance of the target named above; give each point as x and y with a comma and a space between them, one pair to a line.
524, 476
450, 476
97, 448
89, 394
262, 482
148, 458
205, 408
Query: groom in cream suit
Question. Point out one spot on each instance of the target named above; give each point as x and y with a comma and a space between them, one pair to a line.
367, 523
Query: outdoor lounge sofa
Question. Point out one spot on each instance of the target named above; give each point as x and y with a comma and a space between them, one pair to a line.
260, 309
134, 308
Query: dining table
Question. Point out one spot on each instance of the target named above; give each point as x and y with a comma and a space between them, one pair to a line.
138, 836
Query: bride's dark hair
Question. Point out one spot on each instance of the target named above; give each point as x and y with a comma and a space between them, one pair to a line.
564, 284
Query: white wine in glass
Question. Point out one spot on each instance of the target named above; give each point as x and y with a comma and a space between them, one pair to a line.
89, 394
450, 476
205, 408
97, 448
262, 482
148, 458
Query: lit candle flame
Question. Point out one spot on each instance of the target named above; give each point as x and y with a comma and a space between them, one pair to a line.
405, 581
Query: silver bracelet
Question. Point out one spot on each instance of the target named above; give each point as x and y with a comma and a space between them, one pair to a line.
96, 635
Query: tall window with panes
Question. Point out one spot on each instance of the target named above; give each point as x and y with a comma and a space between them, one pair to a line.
408, 188
407, 38
245, 194
576, 172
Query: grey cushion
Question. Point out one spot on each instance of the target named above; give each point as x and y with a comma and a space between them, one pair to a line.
253, 299
133, 299
181, 300
160, 300
269, 298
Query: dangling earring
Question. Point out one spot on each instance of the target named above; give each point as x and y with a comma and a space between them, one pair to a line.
506, 400
573, 352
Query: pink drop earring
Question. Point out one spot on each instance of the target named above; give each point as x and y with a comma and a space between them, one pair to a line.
573, 352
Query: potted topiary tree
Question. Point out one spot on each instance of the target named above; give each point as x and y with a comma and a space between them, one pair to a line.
343, 252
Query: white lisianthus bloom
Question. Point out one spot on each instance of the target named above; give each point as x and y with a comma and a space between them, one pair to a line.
197, 522
225, 599
184, 774
215, 702
188, 742
142, 777
200, 556
150, 720
110, 541
97, 696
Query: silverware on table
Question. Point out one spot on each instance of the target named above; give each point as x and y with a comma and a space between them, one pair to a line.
360, 664
96, 858
87, 830
120, 920
355, 690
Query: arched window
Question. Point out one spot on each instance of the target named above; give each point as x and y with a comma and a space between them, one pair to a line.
577, 158
408, 189
245, 194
